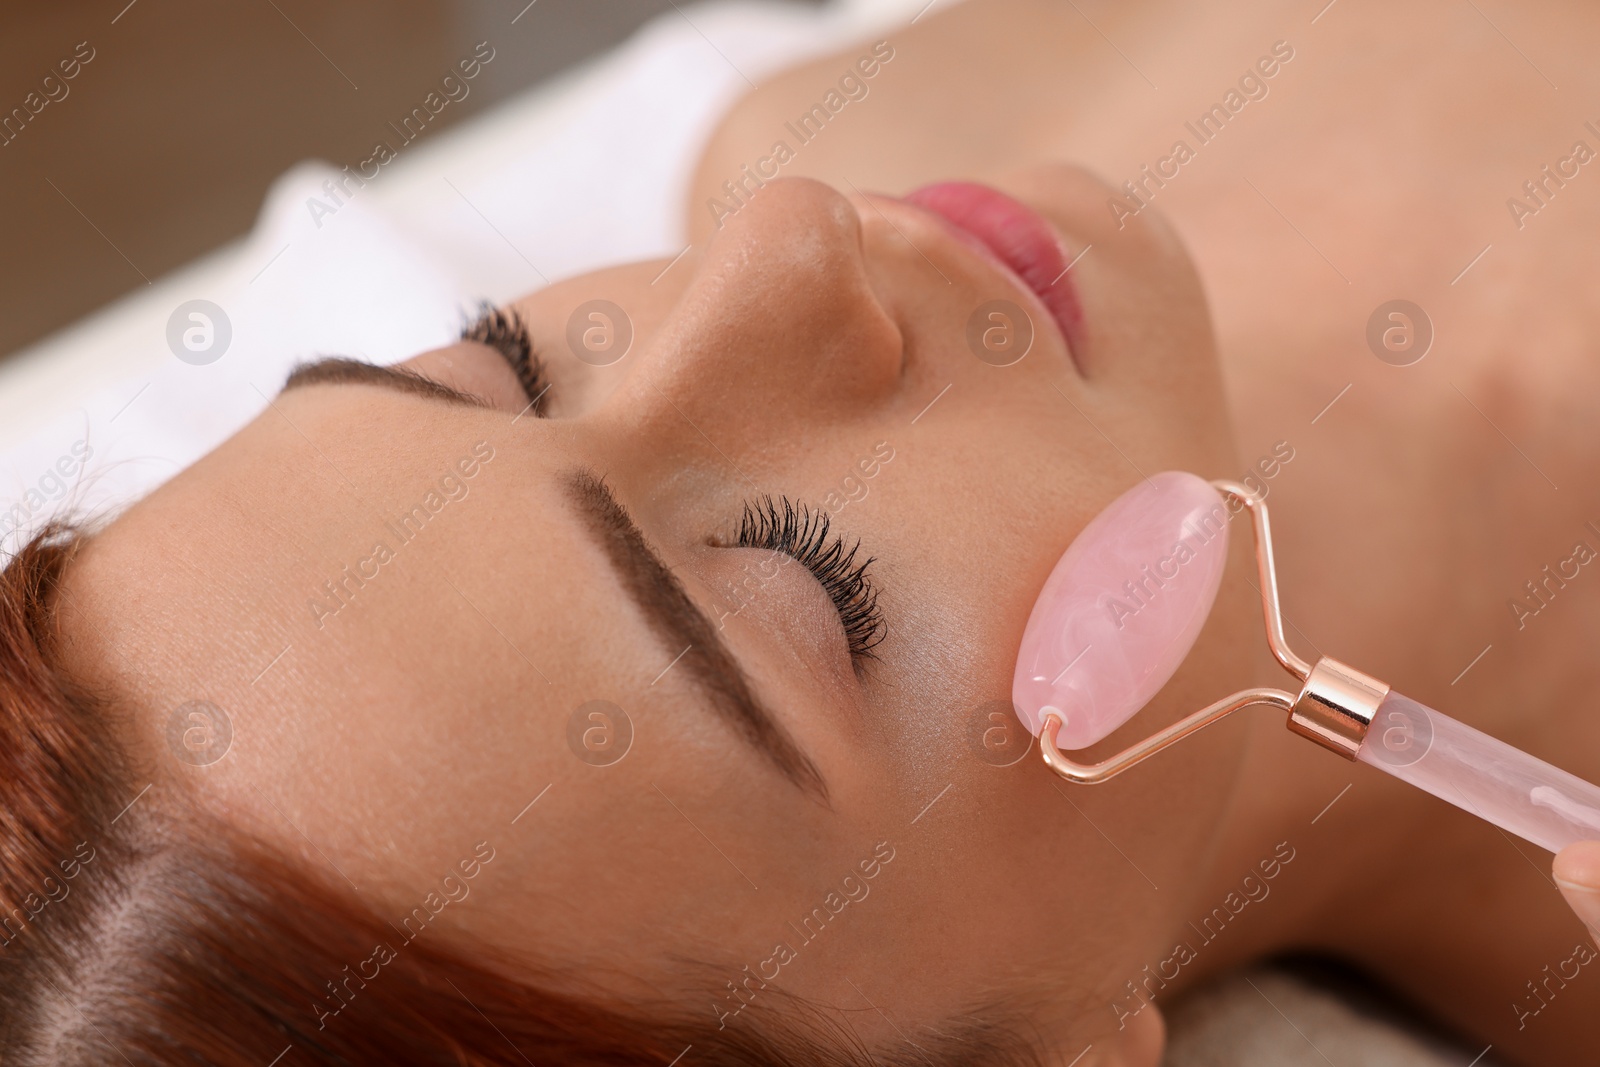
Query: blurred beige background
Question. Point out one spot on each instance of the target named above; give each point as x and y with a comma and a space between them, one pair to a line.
165, 143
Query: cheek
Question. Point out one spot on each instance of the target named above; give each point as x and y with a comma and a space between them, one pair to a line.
959, 581
1035, 885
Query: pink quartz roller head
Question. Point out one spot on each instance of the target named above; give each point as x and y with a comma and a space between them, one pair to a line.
1122, 608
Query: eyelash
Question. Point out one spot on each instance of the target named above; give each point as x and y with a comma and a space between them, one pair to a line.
505, 332
802, 534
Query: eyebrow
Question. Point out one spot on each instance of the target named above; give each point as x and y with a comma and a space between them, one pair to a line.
679, 623
342, 370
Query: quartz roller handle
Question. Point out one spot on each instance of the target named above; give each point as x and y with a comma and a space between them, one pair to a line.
1479, 774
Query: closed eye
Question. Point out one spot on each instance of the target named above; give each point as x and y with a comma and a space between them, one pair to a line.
503, 330
801, 532
494, 328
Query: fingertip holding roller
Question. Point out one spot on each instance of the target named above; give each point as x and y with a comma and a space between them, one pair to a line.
1122, 608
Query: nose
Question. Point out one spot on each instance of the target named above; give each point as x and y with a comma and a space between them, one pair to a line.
779, 329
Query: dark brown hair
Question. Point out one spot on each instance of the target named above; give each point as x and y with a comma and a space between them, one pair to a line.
126, 940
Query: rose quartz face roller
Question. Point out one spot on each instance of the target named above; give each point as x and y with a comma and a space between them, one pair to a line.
1123, 607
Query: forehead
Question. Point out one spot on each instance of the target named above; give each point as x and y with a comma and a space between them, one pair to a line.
326, 577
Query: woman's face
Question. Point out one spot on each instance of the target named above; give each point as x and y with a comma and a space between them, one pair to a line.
421, 616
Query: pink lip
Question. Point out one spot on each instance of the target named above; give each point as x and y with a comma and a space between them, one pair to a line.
1017, 236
